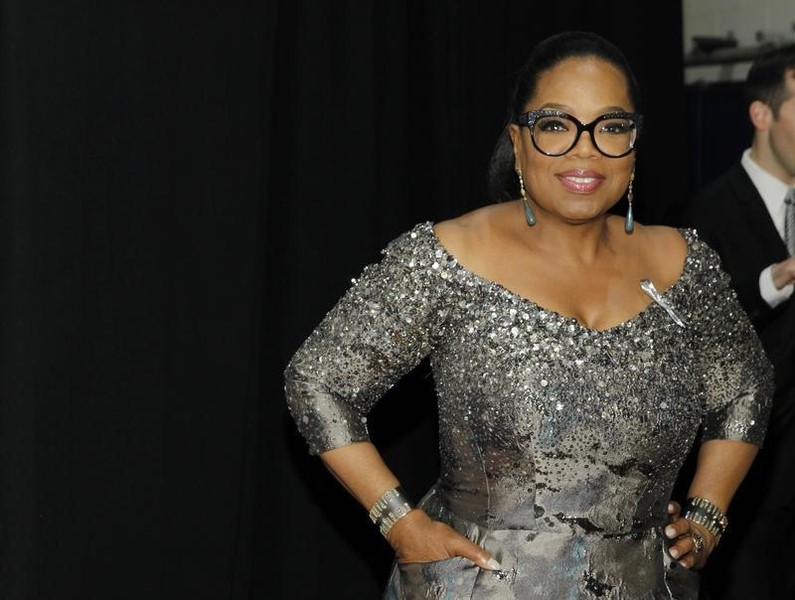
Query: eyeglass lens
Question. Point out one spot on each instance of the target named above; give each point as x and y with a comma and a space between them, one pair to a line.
557, 134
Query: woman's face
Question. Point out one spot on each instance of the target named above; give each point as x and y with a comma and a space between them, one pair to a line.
581, 184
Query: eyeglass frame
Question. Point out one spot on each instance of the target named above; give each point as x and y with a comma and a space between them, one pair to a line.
530, 118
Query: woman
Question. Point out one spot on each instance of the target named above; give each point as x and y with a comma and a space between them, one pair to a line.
576, 356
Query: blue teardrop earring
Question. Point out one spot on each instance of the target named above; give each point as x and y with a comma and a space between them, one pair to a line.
629, 223
528, 210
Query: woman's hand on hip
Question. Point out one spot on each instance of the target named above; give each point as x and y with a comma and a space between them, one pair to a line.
417, 538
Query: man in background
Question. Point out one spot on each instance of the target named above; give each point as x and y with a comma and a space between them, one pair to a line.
747, 215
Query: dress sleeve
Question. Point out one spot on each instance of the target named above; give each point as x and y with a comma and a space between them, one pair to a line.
380, 329
737, 374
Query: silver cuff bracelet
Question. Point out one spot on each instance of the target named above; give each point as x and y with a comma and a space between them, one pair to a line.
390, 508
705, 513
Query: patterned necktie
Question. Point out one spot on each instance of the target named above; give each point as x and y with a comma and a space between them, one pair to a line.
789, 220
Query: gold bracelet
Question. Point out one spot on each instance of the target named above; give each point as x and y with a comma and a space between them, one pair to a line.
707, 514
390, 508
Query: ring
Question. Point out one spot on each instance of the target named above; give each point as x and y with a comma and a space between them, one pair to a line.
698, 541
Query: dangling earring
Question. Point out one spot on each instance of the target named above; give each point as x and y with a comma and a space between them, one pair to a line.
528, 210
629, 224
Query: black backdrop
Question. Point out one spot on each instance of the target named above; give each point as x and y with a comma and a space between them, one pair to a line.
186, 189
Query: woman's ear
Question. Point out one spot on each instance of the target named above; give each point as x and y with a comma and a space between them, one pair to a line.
515, 133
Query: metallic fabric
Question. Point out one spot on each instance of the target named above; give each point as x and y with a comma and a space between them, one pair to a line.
559, 445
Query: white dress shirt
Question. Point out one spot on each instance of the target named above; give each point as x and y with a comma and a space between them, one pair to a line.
773, 192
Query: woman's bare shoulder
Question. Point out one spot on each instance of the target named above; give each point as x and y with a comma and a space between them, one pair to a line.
664, 247
462, 236
665, 238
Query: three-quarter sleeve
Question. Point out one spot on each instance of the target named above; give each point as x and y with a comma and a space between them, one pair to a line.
738, 380
380, 329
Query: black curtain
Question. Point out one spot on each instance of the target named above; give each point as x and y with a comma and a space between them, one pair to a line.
187, 187
713, 146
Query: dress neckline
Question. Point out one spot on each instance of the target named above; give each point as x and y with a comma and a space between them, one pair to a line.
520, 299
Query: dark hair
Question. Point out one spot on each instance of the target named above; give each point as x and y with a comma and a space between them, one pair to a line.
766, 80
502, 181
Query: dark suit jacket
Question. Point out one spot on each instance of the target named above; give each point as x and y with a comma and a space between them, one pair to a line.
730, 215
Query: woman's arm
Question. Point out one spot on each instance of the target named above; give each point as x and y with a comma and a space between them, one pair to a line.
720, 469
415, 537
737, 380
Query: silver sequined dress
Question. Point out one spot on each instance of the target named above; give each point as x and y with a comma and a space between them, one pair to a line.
560, 445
